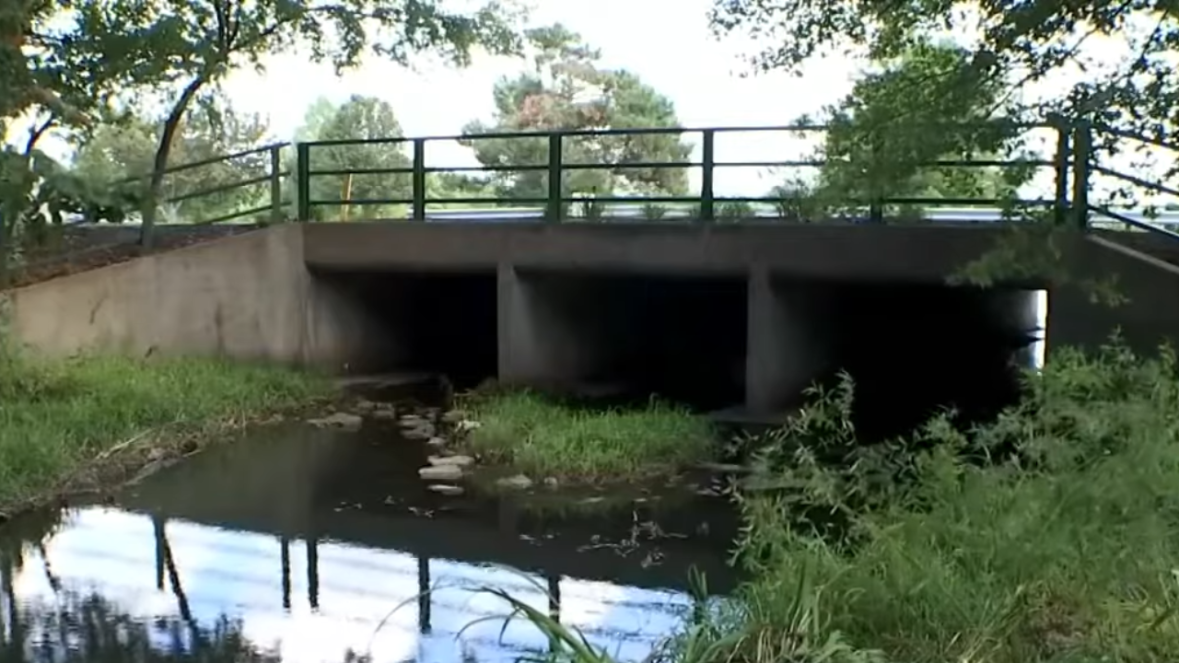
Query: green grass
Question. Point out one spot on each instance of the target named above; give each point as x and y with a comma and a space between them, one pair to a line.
541, 438
56, 416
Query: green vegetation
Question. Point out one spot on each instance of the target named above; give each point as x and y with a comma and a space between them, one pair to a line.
542, 438
1047, 535
57, 417
567, 88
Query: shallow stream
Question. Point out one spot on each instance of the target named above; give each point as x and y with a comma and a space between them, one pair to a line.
301, 544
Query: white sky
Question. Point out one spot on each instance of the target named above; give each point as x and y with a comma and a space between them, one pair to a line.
666, 42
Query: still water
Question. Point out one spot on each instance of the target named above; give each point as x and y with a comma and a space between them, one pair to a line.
303, 545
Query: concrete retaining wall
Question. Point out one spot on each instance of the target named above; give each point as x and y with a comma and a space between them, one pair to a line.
248, 297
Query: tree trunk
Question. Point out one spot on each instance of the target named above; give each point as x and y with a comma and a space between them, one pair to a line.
160, 164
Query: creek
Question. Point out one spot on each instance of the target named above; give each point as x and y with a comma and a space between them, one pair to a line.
302, 544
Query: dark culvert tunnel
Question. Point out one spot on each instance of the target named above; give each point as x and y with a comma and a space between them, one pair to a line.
629, 337
423, 322
915, 350
911, 349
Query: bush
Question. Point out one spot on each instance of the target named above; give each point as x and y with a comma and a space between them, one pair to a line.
1048, 535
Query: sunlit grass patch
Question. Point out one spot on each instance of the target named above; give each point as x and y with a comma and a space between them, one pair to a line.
542, 438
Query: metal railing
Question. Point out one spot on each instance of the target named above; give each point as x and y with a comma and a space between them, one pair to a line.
704, 204
1073, 163
271, 171
1100, 215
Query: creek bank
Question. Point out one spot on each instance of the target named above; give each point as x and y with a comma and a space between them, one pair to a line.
92, 423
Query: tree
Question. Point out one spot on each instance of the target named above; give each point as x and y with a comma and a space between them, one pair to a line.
882, 136
1013, 44
358, 118
568, 90
189, 46
117, 152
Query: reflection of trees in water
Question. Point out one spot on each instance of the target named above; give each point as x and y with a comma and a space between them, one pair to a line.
90, 628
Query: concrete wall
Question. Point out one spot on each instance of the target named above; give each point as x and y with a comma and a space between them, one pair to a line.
248, 297
1149, 317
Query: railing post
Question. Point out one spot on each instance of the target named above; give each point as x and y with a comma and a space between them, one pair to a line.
419, 179
276, 211
876, 191
555, 204
707, 166
1063, 155
1082, 158
303, 181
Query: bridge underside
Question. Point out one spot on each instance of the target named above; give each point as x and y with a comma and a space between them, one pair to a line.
741, 316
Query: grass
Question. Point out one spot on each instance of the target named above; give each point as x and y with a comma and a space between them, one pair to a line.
1048, 536
541, 438
56, 417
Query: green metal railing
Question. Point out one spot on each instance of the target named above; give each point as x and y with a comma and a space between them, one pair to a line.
556, 167
290, 194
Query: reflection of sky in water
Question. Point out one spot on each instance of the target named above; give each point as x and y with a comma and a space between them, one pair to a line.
239, 575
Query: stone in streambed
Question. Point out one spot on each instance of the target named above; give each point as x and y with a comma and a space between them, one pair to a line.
436, 442
441, 473
519, 482
446, 489
457, 461
339, 420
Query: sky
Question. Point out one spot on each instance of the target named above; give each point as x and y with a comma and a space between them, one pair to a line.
668, 43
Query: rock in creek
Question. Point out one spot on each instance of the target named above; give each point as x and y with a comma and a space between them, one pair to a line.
446, 489
436, 442
414, 427
338, 420
441, 473
457, 461
519, 482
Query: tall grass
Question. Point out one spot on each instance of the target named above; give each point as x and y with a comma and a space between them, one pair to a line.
1049, 535
543, 438
58, 415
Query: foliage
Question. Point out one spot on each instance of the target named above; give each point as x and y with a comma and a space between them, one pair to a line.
543, 438
118, 155
56, 416
1045, 535
924, 106
191, 47
569, 90
360, 118
1012, 44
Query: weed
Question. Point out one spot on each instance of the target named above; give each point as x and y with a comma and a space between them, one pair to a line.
542, 438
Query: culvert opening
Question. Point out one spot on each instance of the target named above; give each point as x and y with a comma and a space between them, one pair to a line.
915, 350
629, 337
431, 323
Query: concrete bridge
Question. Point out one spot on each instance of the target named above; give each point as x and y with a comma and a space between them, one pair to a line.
725, 315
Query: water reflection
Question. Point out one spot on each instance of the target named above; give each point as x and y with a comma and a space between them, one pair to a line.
281, 549
123, 580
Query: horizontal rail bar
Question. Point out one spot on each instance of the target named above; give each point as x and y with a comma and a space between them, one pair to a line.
234, 215
652, 131
1149, 227
1146, 184
212, 160
1130, 135
222, 188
